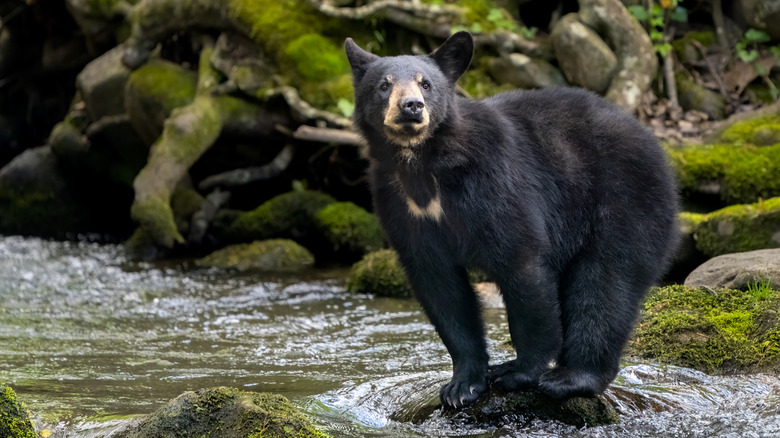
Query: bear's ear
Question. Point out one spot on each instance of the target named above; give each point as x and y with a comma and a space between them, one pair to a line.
454, 56
358, 59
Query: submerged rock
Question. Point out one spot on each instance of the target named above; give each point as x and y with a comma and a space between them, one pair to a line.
738, 271
494, 410
715, 331
265, 255
379, 273
224, 413
15, 420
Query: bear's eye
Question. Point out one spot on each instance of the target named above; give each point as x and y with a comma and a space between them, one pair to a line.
425, 85
384, 86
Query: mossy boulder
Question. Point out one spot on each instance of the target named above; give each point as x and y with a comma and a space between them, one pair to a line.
738, 228
266, 255
716, 331
736, 173
379, 273
693, 96
351, 230
102, 83
37, 199
226, 413
289, 215
758, 131
153, 91
15, 420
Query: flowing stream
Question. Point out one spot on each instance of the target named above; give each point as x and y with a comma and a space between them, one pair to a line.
88, 339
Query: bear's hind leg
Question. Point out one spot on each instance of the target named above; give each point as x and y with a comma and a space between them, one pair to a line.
599, 304
533, 314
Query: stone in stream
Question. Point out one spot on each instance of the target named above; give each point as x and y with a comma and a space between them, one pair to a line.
223, 412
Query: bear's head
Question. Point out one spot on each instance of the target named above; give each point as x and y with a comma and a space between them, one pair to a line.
405, 98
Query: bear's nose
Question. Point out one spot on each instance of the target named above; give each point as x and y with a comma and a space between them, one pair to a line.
412, 106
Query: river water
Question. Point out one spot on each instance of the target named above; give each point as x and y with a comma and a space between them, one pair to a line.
89, 339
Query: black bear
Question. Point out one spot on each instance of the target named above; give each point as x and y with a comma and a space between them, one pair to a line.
558, 196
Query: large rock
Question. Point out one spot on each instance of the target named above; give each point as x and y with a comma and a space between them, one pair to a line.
102, 84
582, 55
525, 72
36, 199
273, 255
224, 413
738, 271
15, 420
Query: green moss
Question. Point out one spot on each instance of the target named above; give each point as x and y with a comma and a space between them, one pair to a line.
685, 49
744, 173
739, 228
228, 413
164, 82
326, 94
696, 97
282, 216
485, 16
753, 131
156, 217
379, 273
15, 421
277, 23
316, 57
264, 255
350, 229
714, 331
479, 84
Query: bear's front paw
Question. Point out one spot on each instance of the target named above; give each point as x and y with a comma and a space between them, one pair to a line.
507, 377
462, 392
563, 383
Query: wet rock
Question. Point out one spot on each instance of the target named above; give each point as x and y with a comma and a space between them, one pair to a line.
738, 228
379, 273
737, 271
15, 420
737, 174
102, 84
715, 331
265, 255
495, 410
693, 96
583, 56
35, 197
290, 215
351, 230
524, 72
225, 413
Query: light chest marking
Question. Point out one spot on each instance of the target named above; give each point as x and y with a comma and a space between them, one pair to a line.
432, 209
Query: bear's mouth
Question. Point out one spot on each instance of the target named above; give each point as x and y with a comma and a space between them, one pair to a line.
407, 133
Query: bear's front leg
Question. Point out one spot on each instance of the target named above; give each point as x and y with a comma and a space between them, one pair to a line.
452, 306
533, 314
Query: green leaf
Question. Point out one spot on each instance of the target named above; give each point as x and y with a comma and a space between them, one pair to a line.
495, 15
346, 107
476, 28
747, 55
638, 12
679, 14
663, 49
757, 36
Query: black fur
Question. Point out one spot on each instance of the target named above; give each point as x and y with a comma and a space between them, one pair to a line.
557, 195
